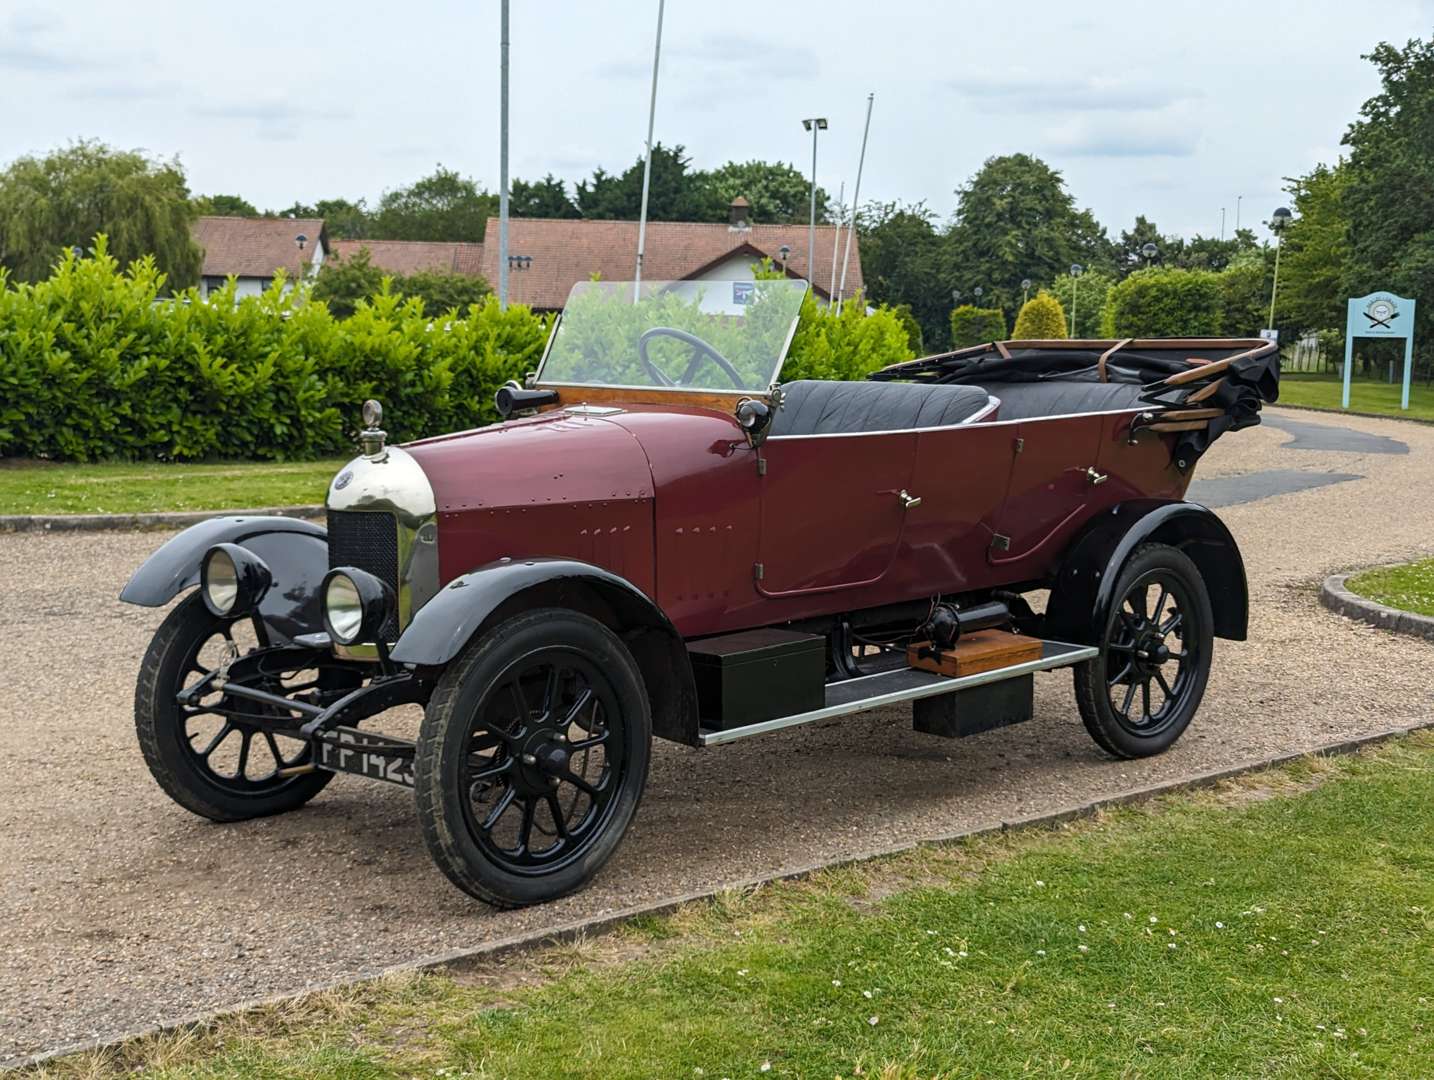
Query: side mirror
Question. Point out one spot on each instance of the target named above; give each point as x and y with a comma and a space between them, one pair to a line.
754, 417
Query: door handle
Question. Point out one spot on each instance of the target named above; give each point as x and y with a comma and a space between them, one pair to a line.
1096, 478
908, 501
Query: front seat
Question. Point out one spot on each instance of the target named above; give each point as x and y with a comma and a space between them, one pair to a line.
816, 407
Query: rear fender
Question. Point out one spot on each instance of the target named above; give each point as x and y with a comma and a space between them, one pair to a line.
296, 551
1083, 593
470, 604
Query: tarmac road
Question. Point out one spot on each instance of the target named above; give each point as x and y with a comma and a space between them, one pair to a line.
118, 909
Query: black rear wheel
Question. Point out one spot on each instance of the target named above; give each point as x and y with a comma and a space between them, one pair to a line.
1141, 693
532, 758
217, 766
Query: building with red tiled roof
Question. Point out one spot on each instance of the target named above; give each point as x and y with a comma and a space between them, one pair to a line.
412, 256
548, 256
254, 249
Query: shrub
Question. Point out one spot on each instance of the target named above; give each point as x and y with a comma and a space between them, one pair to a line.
847, 346
1041, 318
94, 365
1165, 303
971, 325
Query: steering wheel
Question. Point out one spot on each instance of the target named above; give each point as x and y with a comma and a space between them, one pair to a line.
701, 350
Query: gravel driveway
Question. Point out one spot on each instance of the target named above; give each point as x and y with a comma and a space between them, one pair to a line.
118, 909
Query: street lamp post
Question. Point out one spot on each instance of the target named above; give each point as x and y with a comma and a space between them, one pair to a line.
1149, 250
1076, 269
1278, 220
813, 124
1025, 290
978, 292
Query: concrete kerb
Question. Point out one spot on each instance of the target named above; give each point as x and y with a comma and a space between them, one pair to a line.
140, 522
1334, 595
599, 925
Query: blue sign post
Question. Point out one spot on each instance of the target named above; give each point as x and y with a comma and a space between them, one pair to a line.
1379, 315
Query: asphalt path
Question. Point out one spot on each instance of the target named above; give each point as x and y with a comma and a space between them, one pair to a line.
118, 909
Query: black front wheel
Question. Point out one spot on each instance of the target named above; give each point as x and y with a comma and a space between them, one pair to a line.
206, 757
1140, 694
532, 758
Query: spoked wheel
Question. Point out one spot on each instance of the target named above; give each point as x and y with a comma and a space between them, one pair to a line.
217, 766
1141, 693
532, 758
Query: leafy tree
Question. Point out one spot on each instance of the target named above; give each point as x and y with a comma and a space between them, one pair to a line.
343, 283
1085, 296
1128, 254
1041, 319
545, 198
1165, 303
443, 291
777, 192
344, 220
901, 264
676, 193
443, 206
66, 198
1315, 255
1389, 191
971, 325
225, 206
1015, 220
1245, 295
913, 328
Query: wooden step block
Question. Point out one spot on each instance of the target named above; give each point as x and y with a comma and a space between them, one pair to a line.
984, 650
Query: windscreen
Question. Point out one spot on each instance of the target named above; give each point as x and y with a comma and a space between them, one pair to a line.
684, 335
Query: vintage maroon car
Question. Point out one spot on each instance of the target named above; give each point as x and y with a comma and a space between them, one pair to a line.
662, 539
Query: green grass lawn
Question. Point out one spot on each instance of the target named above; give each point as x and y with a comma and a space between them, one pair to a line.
46, 488
1409, 587
1279, 926
1325, 391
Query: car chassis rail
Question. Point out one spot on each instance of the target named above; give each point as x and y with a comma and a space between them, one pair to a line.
339, 746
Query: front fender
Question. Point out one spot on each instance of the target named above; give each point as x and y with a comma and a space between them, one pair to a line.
1084, 590
297, 552
466, 605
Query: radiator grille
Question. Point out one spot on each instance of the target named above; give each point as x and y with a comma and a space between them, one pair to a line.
369, 541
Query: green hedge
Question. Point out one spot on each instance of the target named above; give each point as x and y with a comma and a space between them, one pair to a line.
971, 325
1165, 303
95, 364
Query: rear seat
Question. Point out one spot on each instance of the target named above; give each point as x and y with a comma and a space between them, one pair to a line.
815, 407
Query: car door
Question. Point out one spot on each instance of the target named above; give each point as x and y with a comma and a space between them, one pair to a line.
832, 510
1054, 485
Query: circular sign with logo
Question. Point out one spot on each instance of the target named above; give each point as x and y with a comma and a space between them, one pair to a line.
343, 480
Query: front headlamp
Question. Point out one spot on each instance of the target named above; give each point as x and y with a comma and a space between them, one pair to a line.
356, 605
233, 580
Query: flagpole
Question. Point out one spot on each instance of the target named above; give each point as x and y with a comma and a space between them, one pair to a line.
855, 202
503, 163
647, 164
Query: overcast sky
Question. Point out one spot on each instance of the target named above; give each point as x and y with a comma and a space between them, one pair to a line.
1171, 110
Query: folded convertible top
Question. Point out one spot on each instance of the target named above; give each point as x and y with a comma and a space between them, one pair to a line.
1199, 388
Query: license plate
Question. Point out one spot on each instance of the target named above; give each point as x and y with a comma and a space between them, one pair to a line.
366, 755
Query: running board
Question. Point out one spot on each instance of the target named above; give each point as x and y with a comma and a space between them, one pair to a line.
904, 684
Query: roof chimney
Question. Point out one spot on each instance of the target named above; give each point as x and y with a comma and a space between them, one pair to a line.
739, 210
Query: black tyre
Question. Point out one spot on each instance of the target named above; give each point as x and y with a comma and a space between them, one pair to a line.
532, 758
216, 767
1141, 693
